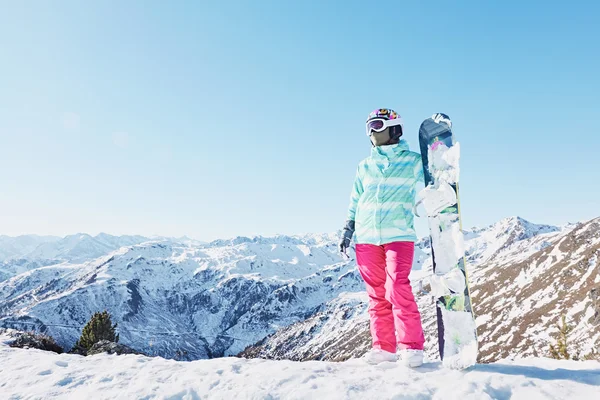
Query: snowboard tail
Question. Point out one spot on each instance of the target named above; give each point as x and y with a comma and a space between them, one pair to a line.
440, 152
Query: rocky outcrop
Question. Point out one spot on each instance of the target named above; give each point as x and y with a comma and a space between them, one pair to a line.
38, 341
105, 346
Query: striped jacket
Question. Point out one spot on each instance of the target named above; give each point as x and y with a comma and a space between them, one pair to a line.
383, 195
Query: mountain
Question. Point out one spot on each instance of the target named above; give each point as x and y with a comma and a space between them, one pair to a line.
292, 297
521, 294
81, 247
23, 253
17, 247
171, 298
523, 278
74, 248
484, 244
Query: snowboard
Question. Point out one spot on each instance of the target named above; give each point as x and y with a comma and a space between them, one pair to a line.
457, 333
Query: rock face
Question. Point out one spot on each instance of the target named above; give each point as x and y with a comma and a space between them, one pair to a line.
105, 346
595, 297
339, 330
38, 341
294, 298
519, 300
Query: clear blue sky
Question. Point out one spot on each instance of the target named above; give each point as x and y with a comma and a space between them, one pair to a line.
216, 119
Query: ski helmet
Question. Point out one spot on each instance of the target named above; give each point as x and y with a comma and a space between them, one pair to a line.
377, 121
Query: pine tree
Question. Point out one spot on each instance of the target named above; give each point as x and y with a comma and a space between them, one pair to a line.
560, 351
99, 327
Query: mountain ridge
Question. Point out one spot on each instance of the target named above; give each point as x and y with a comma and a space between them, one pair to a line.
223, 297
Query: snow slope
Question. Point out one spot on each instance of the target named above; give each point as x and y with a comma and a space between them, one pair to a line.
39, 374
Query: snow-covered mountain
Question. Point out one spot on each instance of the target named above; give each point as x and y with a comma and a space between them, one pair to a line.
483, 244
299, 300
17, 247
23, 253
79, 247
170, 298
523, 277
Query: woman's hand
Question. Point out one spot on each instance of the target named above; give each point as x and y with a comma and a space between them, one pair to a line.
348, 232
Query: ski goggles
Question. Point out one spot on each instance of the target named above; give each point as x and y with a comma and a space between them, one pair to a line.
381, 124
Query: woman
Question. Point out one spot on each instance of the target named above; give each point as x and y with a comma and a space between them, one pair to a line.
381, 220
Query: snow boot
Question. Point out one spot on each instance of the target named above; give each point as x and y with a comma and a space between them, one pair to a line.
376, 356
411, 357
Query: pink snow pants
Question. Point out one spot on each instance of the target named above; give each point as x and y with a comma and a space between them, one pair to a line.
392, 305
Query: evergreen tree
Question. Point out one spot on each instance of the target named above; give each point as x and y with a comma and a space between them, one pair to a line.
99, 327
560, 351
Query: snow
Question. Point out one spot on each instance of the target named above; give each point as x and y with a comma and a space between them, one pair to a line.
460, 344
515, 237
586, 275
483, 319
73, 248
435, 199
15, 247
453, 281
444, 162
448, 241
523, 279
592, 266
38, 374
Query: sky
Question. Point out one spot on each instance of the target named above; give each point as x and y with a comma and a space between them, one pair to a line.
213, 119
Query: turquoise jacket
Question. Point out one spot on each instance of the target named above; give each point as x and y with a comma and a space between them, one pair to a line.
383, 195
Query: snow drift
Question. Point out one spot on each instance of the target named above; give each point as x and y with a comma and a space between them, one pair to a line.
39, 374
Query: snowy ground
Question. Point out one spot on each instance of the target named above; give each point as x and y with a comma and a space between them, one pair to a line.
36, 374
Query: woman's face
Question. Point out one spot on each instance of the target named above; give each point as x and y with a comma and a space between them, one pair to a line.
380, 138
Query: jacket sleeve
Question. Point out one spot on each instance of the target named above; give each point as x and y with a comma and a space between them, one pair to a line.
419, 175
357, 191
